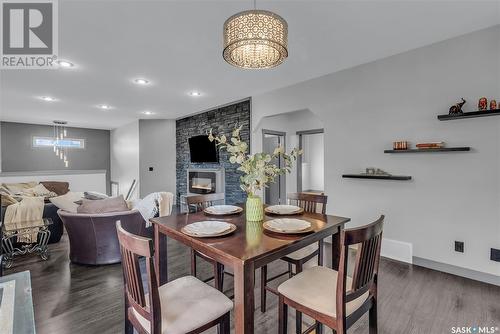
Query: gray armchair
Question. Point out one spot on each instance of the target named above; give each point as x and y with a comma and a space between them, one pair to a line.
93, 238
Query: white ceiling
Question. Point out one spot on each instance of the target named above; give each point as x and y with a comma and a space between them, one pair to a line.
177, 45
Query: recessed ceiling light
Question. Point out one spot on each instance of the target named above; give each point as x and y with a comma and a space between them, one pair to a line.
141, 81
48, 98
104, 106
65, 63
147, 112
194, 93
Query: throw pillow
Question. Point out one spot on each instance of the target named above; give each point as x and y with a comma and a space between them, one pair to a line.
19, 188
94, 195
67, 202
60, 188
7, 199
39, 190
112, 204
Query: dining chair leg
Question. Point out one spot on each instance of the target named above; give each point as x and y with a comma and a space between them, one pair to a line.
372, 318
298, 315
283, 316
225, 324
222, 272
129, 328
263, 292
320, 252
290, 272
193, 262
319, 327
218, 276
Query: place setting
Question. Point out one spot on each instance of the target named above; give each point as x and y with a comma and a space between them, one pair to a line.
284, 210
208, 229
286, 226
223, 210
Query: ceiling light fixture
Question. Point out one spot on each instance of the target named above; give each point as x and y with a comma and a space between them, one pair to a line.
147, 112
104, 106
255, 39
65, 64
48, 98
194, 93
141, 81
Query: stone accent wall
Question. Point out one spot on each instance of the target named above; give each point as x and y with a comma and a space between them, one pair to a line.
221, 120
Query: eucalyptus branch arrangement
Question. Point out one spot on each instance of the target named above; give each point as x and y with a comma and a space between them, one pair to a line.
258, 169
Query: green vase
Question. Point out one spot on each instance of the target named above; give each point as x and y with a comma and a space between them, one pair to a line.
254, 209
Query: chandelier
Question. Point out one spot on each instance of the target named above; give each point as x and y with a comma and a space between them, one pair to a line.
255, 39
60, 133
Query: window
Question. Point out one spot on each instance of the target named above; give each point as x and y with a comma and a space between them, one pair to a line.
63, 143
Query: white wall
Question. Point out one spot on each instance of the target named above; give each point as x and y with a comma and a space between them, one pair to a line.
157, 149
453, 196
125, 157
289, 122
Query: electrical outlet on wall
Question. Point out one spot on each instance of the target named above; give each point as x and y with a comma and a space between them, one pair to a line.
459, 246
495, 255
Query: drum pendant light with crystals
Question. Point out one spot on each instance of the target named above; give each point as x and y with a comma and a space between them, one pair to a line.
255, 39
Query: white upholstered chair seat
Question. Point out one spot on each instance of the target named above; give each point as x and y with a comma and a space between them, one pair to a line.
316, 288
303, 252
186, 304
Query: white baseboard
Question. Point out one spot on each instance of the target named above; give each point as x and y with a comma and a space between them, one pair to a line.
397, 250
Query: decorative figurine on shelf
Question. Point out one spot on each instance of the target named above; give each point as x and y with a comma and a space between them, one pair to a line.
375, 171
482, 104
457, 108
493, 104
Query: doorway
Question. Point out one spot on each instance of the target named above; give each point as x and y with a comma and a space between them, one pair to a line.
275, 193
310, 165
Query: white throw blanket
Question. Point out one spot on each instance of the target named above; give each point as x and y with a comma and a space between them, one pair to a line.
159, 202
25, 216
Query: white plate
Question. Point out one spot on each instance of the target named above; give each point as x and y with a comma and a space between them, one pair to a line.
287, 225
207, 228
222, 209
284, 209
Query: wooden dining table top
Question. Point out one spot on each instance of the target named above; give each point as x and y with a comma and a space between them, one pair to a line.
250, 241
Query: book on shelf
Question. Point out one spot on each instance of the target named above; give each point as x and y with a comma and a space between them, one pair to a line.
430, 145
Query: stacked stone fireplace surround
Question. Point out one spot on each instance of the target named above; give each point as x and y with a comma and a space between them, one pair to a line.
221, 120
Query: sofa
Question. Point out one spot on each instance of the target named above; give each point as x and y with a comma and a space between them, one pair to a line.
93, 238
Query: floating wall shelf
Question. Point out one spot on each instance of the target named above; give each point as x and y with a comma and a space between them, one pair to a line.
433, 150
472, 114
377, 177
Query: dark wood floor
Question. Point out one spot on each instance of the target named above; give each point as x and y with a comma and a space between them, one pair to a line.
78, 299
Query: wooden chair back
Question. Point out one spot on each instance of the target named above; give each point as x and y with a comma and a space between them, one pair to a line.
314, 203
201, 202
369, 239
132, 247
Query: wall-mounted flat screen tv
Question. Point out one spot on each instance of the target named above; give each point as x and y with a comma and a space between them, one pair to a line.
202, 149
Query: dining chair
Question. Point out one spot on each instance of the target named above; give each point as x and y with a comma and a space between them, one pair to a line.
184, 305
315, 203
201, 202
332, 297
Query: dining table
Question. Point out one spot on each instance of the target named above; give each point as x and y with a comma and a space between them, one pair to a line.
248, 248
